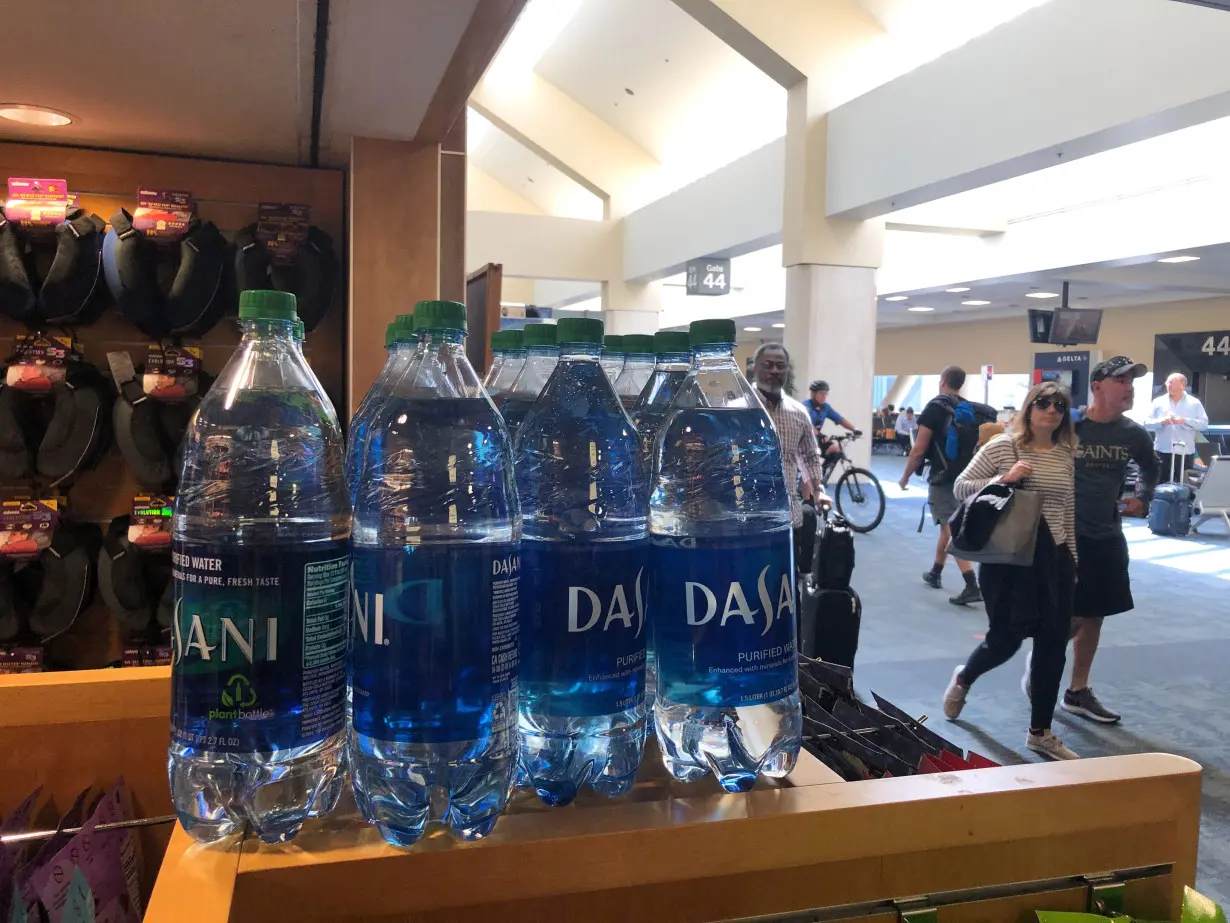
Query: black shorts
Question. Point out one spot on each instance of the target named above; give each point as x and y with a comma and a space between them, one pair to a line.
1103, 586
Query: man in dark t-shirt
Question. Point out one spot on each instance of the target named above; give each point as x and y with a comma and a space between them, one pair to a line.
1108, 442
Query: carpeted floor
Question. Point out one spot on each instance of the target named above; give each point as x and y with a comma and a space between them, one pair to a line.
1164, 666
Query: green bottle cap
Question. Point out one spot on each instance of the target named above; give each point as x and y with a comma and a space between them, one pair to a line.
539, 335
580, 330
391, 333
450, 315
612, 343
709, 332
506, 339
638, 343
671, 341
267, 304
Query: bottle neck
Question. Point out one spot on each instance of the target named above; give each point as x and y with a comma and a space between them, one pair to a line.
674, 362
646, 360
580, 351
542, 352
437, 336
711, 352
268, 329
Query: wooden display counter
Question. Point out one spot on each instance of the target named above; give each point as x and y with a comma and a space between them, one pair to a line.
687, 853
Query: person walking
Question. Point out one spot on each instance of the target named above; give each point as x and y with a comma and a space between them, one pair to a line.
933, 424
800, 451
1107, 442
1034, 600
1176, 417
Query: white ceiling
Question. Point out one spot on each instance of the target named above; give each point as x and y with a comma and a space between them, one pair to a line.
695, 104
518, 168
225, 78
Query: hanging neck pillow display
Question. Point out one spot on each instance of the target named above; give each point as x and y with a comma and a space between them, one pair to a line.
198, 292
53, 279
150, 432
136, 585
46, 594
311, 279
57, 434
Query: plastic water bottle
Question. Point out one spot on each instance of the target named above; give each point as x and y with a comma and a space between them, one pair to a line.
721, 585
673, 349
584, 553
434, 639
262, 584
612, 357
638, 368
541, 356
506, 366
400, 341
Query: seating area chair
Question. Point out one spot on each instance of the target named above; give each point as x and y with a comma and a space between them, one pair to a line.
1213, 494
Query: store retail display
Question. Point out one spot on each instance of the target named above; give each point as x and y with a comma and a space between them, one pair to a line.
201, 287
402, 346
52, 279
612, 356
433, 659
310, 274
43, 592
639, 363
509, 352
721, 579
134, 583
583, 556
149, 430
261, 592
541, 356
58, 430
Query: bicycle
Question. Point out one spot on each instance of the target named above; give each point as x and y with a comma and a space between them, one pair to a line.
858, 495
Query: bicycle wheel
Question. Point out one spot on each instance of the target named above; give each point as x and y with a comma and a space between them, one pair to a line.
860, 499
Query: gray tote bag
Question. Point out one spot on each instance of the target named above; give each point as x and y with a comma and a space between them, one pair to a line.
1015, 535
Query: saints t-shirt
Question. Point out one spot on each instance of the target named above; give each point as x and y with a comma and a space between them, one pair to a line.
1102, 457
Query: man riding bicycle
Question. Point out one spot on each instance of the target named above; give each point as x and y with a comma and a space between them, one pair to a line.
819, 409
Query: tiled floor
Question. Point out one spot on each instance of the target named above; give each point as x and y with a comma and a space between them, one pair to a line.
1165, 665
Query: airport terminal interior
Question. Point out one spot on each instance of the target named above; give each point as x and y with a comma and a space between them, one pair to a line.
1034, 192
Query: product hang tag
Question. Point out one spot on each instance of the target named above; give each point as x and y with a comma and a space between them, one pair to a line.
15, 660
171, 372
41, 361
163, 213
149, 525
27, 526
282, 227
37, 204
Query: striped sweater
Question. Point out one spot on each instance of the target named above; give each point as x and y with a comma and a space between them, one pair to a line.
1053, 476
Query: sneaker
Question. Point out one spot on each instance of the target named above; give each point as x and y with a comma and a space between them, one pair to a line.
1087, 705
1049, 745
1026, 681
932, 579
971, 594
954, 696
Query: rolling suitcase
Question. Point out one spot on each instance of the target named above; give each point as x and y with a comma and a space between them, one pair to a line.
830, 612
1170, 512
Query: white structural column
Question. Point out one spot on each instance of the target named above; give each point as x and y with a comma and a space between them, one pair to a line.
830, 274
630, 307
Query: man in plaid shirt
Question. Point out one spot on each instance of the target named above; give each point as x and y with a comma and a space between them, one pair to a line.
800, 451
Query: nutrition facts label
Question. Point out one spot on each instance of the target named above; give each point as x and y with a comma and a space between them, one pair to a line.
326, 585
505, 626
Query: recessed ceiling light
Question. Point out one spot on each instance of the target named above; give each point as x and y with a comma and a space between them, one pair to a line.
779, 326
919, 309
958, 289
751, 330
975, 303
1179, 259
34, 115
1041, 295
897, 298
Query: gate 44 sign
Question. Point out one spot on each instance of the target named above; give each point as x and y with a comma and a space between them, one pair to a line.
1216, 344
709, 277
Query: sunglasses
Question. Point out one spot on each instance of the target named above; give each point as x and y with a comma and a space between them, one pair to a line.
1045, 403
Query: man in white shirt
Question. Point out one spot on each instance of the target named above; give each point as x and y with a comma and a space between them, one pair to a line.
1176, 417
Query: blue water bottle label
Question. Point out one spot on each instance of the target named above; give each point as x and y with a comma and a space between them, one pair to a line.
583, 617
434, 641
723, 619
258, 645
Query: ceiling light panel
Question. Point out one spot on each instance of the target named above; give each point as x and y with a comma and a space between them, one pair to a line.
39, 116
1179, 259
920, 309
975, 303
897, 298
958, 290
1041, 295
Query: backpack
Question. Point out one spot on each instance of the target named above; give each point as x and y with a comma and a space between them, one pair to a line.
960, 439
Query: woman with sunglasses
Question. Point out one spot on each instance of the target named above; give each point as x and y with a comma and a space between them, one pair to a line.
1035, 601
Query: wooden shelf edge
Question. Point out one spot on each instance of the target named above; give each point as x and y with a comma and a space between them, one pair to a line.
75, 696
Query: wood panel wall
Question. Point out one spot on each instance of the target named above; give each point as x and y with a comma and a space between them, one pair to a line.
227, 194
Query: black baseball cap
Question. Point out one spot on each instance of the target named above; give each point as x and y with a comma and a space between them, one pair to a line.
818, 385
1118, 367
